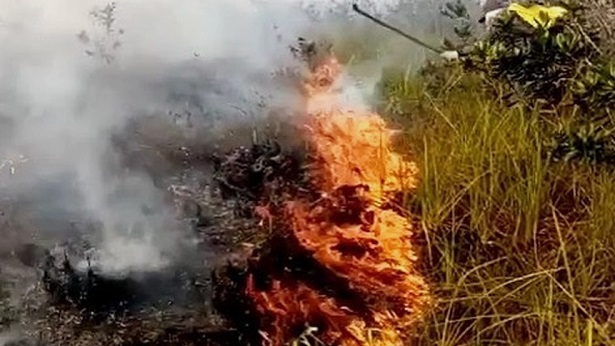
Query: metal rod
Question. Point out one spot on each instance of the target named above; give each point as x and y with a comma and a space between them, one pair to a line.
356, 8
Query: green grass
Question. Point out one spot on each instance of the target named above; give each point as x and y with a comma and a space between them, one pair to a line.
519, 250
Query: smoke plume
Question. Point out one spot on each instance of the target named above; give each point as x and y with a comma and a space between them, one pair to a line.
74, 73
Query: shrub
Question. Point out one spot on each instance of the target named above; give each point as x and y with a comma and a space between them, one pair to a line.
562, 64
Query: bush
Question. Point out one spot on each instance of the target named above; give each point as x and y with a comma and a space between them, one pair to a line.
563, 63
564, 66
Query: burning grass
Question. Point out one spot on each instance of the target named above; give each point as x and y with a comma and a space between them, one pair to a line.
340, 261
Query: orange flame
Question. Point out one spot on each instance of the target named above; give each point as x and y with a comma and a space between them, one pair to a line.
349, 232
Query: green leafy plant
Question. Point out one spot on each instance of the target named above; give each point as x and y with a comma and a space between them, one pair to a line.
589, 142
555, 61
558, 63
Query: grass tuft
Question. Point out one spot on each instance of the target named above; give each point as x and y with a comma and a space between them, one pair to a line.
518, 247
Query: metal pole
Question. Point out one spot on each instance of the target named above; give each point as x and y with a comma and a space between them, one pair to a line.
356, 8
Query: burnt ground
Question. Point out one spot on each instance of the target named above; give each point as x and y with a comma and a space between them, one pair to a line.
180, 314
168, 308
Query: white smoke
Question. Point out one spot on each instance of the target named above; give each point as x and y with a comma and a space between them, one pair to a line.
5, 338
67, 83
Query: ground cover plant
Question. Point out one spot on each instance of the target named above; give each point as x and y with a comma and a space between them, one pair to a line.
515, 196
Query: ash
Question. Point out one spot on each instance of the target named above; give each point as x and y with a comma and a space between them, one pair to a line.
64, 295
73, 300
105, 295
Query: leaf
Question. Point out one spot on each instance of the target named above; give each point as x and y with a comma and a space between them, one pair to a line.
538, 16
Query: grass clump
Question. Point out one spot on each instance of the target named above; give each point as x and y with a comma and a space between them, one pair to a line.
517, 188
518, 245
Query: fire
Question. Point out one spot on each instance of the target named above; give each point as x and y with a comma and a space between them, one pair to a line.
360, 244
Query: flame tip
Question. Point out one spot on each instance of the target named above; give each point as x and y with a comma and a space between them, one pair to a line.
347, 230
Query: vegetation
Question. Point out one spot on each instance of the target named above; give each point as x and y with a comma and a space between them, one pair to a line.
517, 189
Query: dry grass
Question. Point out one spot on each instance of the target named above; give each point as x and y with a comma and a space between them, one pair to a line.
519, 250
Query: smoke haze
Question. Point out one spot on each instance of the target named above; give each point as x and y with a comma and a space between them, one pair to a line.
68, 82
